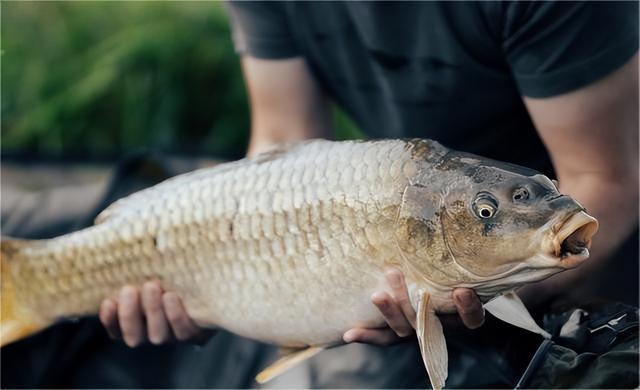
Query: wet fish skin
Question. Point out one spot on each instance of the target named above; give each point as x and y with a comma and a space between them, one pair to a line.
288, 247
284, 236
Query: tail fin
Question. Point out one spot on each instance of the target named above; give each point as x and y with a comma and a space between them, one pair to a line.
15, 323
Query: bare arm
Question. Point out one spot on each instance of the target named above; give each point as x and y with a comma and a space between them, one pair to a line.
286, 102
592, 136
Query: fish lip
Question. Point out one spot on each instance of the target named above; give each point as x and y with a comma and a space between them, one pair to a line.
573, 233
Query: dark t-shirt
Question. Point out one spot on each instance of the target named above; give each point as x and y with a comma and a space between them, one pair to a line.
451, 71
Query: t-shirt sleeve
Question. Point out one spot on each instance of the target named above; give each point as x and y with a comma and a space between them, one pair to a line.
556, 47
260, 29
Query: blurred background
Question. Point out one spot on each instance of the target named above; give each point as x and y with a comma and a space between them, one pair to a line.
93, 91
92, 81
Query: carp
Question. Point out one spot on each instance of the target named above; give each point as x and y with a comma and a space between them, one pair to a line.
287, 247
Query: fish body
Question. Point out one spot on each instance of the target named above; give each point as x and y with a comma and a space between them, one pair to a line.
288, 247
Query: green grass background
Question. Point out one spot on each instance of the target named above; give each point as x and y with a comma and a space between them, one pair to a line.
94, 80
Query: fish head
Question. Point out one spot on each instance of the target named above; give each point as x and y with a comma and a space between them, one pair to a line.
497, 216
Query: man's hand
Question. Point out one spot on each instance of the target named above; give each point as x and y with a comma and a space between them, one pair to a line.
151, 315
148, 314
401, 317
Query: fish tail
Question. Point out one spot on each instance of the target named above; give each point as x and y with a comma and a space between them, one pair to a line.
15, 322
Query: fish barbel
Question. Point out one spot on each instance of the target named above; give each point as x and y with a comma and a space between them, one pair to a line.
287, 247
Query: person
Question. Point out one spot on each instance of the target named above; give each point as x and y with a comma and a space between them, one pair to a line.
548, 85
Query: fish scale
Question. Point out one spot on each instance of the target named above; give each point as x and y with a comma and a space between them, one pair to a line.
287, 247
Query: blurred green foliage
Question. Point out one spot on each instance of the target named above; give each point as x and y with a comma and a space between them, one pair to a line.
93, 80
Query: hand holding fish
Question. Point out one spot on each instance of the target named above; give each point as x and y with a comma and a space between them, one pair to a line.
401, 317
153, 315
150, 315
290, 246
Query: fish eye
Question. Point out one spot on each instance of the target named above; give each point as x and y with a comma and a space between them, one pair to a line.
485, 205
520, 194
486, 211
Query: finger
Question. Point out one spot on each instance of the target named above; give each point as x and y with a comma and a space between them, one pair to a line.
401, 295
382, 336
109, 318
130, 316
469, 307
392, 314
183, 327
157, 324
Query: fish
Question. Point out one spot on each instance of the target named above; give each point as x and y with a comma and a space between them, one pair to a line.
287, 247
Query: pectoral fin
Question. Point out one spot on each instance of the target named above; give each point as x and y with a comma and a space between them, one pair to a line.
286, 362
432, 343
509, 308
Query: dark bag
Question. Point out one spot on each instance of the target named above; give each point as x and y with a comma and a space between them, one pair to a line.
595, 346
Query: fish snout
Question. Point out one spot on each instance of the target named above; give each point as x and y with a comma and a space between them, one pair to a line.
563, 203
571, 238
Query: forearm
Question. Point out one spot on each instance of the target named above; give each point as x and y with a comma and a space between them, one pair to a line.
613, 201
263, 138
592, 137
266, 133
286, 103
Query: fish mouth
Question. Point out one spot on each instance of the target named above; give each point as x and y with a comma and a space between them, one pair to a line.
572, 239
